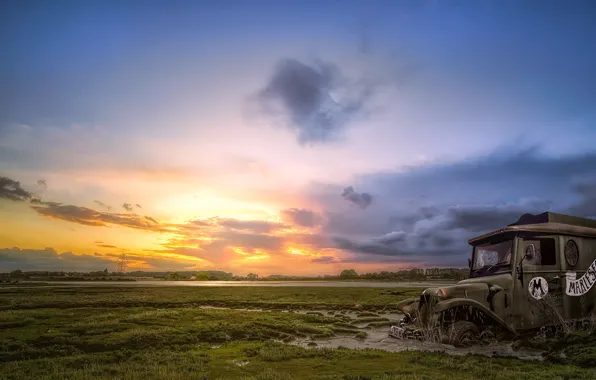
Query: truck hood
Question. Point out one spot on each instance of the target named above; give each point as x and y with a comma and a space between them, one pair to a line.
472, 288
477, 291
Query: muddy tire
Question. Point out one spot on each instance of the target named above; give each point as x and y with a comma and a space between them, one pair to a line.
462, 333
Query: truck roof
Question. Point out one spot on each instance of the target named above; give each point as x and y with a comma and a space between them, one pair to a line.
547, 222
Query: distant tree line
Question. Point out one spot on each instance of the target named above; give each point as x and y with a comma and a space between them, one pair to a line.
19, 275
415, 274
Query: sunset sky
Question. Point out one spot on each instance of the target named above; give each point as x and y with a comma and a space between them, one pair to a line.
287, 137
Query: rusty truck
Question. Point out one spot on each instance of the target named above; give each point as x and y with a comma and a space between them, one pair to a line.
536, 273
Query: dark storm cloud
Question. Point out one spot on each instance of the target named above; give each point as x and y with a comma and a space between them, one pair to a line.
12, 190
400, 244
428, 212
442, 240
301, 217
127, 207
485, 218
586, 205
307, 97
391, 238
388, 262
431, 211
499, 176
444, 234
368, 246
363, 200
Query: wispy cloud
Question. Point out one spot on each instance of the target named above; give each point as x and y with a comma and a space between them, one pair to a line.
12, 190
106, 246
101, 204
90, 217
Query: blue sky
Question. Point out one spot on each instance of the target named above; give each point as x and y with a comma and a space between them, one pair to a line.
260, 111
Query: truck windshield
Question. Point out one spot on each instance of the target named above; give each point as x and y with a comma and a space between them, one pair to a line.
493, 254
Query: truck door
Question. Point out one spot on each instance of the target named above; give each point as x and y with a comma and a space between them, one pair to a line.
541, 293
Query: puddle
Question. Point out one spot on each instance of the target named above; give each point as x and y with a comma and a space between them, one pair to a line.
353, 315
240, 363
379, 339
207, 307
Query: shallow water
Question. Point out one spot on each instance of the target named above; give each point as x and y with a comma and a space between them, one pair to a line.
378, 338
329, 284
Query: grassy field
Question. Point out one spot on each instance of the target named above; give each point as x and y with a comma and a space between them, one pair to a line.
158, 333
237, 297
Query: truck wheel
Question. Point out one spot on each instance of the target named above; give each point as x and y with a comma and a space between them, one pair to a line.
462, 333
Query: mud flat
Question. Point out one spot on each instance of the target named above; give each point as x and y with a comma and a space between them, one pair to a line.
377, 338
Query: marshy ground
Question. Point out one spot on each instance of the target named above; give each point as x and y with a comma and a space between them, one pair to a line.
245, 333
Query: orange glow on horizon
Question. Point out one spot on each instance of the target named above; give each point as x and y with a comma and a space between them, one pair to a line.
192, 240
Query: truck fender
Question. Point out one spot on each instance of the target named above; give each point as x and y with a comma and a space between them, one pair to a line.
449, 304
408, 307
